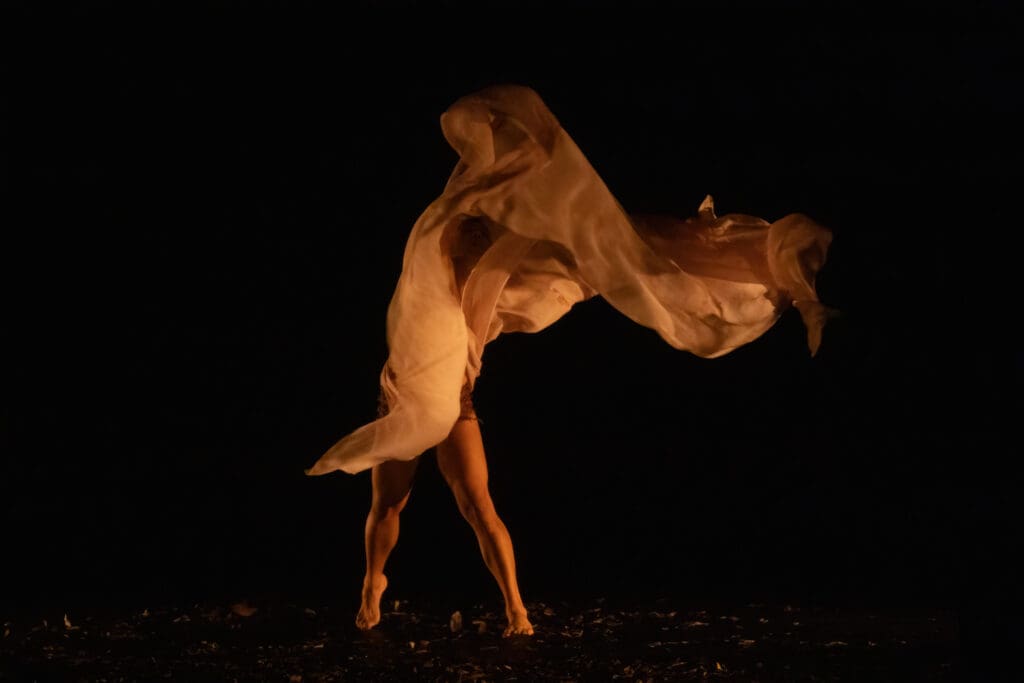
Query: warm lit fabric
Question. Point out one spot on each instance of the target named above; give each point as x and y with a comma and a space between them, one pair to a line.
525, 229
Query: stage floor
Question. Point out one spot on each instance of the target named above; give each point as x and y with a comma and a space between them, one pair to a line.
594, 639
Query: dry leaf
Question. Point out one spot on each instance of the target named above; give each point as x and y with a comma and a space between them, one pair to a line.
243, 609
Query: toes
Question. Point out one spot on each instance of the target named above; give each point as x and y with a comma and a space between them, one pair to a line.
517, 631
365, 622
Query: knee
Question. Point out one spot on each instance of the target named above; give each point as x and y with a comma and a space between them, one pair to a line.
478, 510
382, 511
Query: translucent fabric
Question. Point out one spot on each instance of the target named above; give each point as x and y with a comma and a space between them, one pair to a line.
525, 229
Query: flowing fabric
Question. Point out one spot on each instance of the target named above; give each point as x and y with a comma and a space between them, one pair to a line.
524, 229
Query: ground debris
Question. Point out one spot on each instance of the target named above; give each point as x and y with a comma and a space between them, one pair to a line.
244, 609
581, 641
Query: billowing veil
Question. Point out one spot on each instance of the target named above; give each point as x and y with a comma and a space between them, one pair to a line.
523, 230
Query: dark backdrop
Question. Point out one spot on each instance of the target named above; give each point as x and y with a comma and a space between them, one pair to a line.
217, 207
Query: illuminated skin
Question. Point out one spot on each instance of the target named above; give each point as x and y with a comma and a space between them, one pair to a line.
461, 460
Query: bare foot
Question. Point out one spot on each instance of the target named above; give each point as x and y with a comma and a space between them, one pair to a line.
518, 625
369, 610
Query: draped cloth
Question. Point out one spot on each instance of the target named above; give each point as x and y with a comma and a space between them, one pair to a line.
524, 229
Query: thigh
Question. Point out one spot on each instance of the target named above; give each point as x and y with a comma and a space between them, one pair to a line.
392, 481
461, 459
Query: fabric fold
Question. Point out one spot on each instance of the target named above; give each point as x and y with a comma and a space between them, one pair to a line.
555, 235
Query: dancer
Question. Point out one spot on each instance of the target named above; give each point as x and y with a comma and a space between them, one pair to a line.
524, 230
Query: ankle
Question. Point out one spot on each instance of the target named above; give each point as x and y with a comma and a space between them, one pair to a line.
514, 612
375, 580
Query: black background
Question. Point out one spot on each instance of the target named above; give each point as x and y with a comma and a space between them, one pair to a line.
217, 203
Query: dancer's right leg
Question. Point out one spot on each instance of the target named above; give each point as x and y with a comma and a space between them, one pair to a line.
392, 483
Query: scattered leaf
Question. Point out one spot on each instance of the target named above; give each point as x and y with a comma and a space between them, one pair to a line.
244, 609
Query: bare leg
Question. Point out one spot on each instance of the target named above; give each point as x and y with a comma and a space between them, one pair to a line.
392, 483
461, 460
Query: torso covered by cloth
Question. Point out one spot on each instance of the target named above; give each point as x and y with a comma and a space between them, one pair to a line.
525, 229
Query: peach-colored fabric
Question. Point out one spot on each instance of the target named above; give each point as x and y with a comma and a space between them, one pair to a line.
525, 229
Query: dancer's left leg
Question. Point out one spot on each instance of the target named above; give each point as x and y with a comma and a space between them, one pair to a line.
460, 457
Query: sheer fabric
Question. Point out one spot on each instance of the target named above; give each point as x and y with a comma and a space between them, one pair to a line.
524, 229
